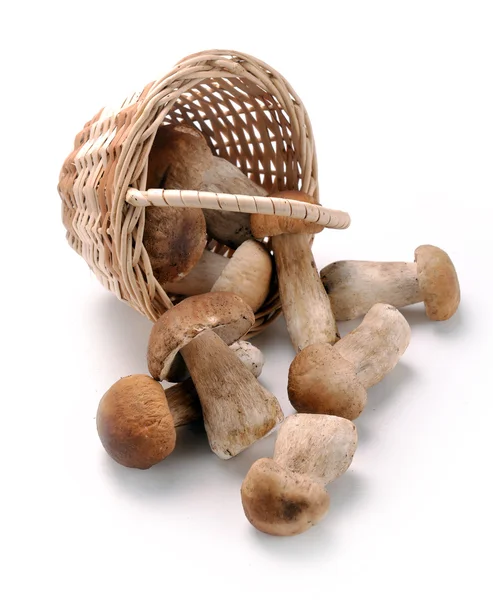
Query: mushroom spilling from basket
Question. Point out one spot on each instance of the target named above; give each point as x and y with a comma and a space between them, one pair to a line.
212, 253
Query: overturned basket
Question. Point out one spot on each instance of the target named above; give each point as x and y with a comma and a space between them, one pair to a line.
249, 115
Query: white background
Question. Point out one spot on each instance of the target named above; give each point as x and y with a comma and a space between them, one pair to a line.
401, 100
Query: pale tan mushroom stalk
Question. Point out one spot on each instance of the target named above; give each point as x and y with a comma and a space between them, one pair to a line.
247, 273
230, 228
181, 159
305, 303
183, 400
354, 285
333, 380
237, 410
286, 495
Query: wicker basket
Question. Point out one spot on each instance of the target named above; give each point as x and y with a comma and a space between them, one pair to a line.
249, 115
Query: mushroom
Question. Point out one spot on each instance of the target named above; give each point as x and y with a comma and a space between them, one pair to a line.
133, 418
305, 304
181, 159
355, 285
247, 273
333, 379
174, 238
286, 495
237, 409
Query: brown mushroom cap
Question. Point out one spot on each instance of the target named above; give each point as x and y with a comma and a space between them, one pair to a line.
438, 282
322, 381
134, 422
178, 158
270, 225
224, 313
280, 502
175, 238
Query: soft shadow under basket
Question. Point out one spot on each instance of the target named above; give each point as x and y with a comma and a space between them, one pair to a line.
249, 115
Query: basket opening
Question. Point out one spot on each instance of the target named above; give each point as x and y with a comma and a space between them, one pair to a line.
245, 124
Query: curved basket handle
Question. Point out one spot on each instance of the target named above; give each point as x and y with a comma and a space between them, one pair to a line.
313, 213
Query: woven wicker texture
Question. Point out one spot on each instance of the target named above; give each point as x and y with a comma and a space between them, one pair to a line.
248, 114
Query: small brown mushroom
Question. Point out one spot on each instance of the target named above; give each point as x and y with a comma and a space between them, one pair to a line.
237, 409
333, 380
305, 304
354, 285
286, 495
247, 273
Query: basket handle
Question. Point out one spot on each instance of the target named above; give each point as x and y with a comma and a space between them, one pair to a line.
313, 213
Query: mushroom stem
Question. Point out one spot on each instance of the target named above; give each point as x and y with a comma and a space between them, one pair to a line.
247, 273
320, 446
230, 228
237, 410
183, 400
375, 346
183, 403
354, 286
305, 304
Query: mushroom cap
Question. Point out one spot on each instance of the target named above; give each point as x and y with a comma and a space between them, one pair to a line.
280, 502
438, 282
322, 381
321, 446
224, 313
175, 238
248, 273
270, 225
178, 159
134, 422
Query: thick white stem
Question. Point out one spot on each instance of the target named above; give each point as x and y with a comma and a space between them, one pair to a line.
375, 346
230, 228
354, 286
183, 400
319, 446
237, 410
305, 303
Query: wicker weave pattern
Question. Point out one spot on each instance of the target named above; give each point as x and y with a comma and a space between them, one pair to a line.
249, 115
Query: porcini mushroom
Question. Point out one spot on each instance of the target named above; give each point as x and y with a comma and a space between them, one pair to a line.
247, 273
305, 304
286, 495
333, 379
237, 409
354, 285
181, 159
